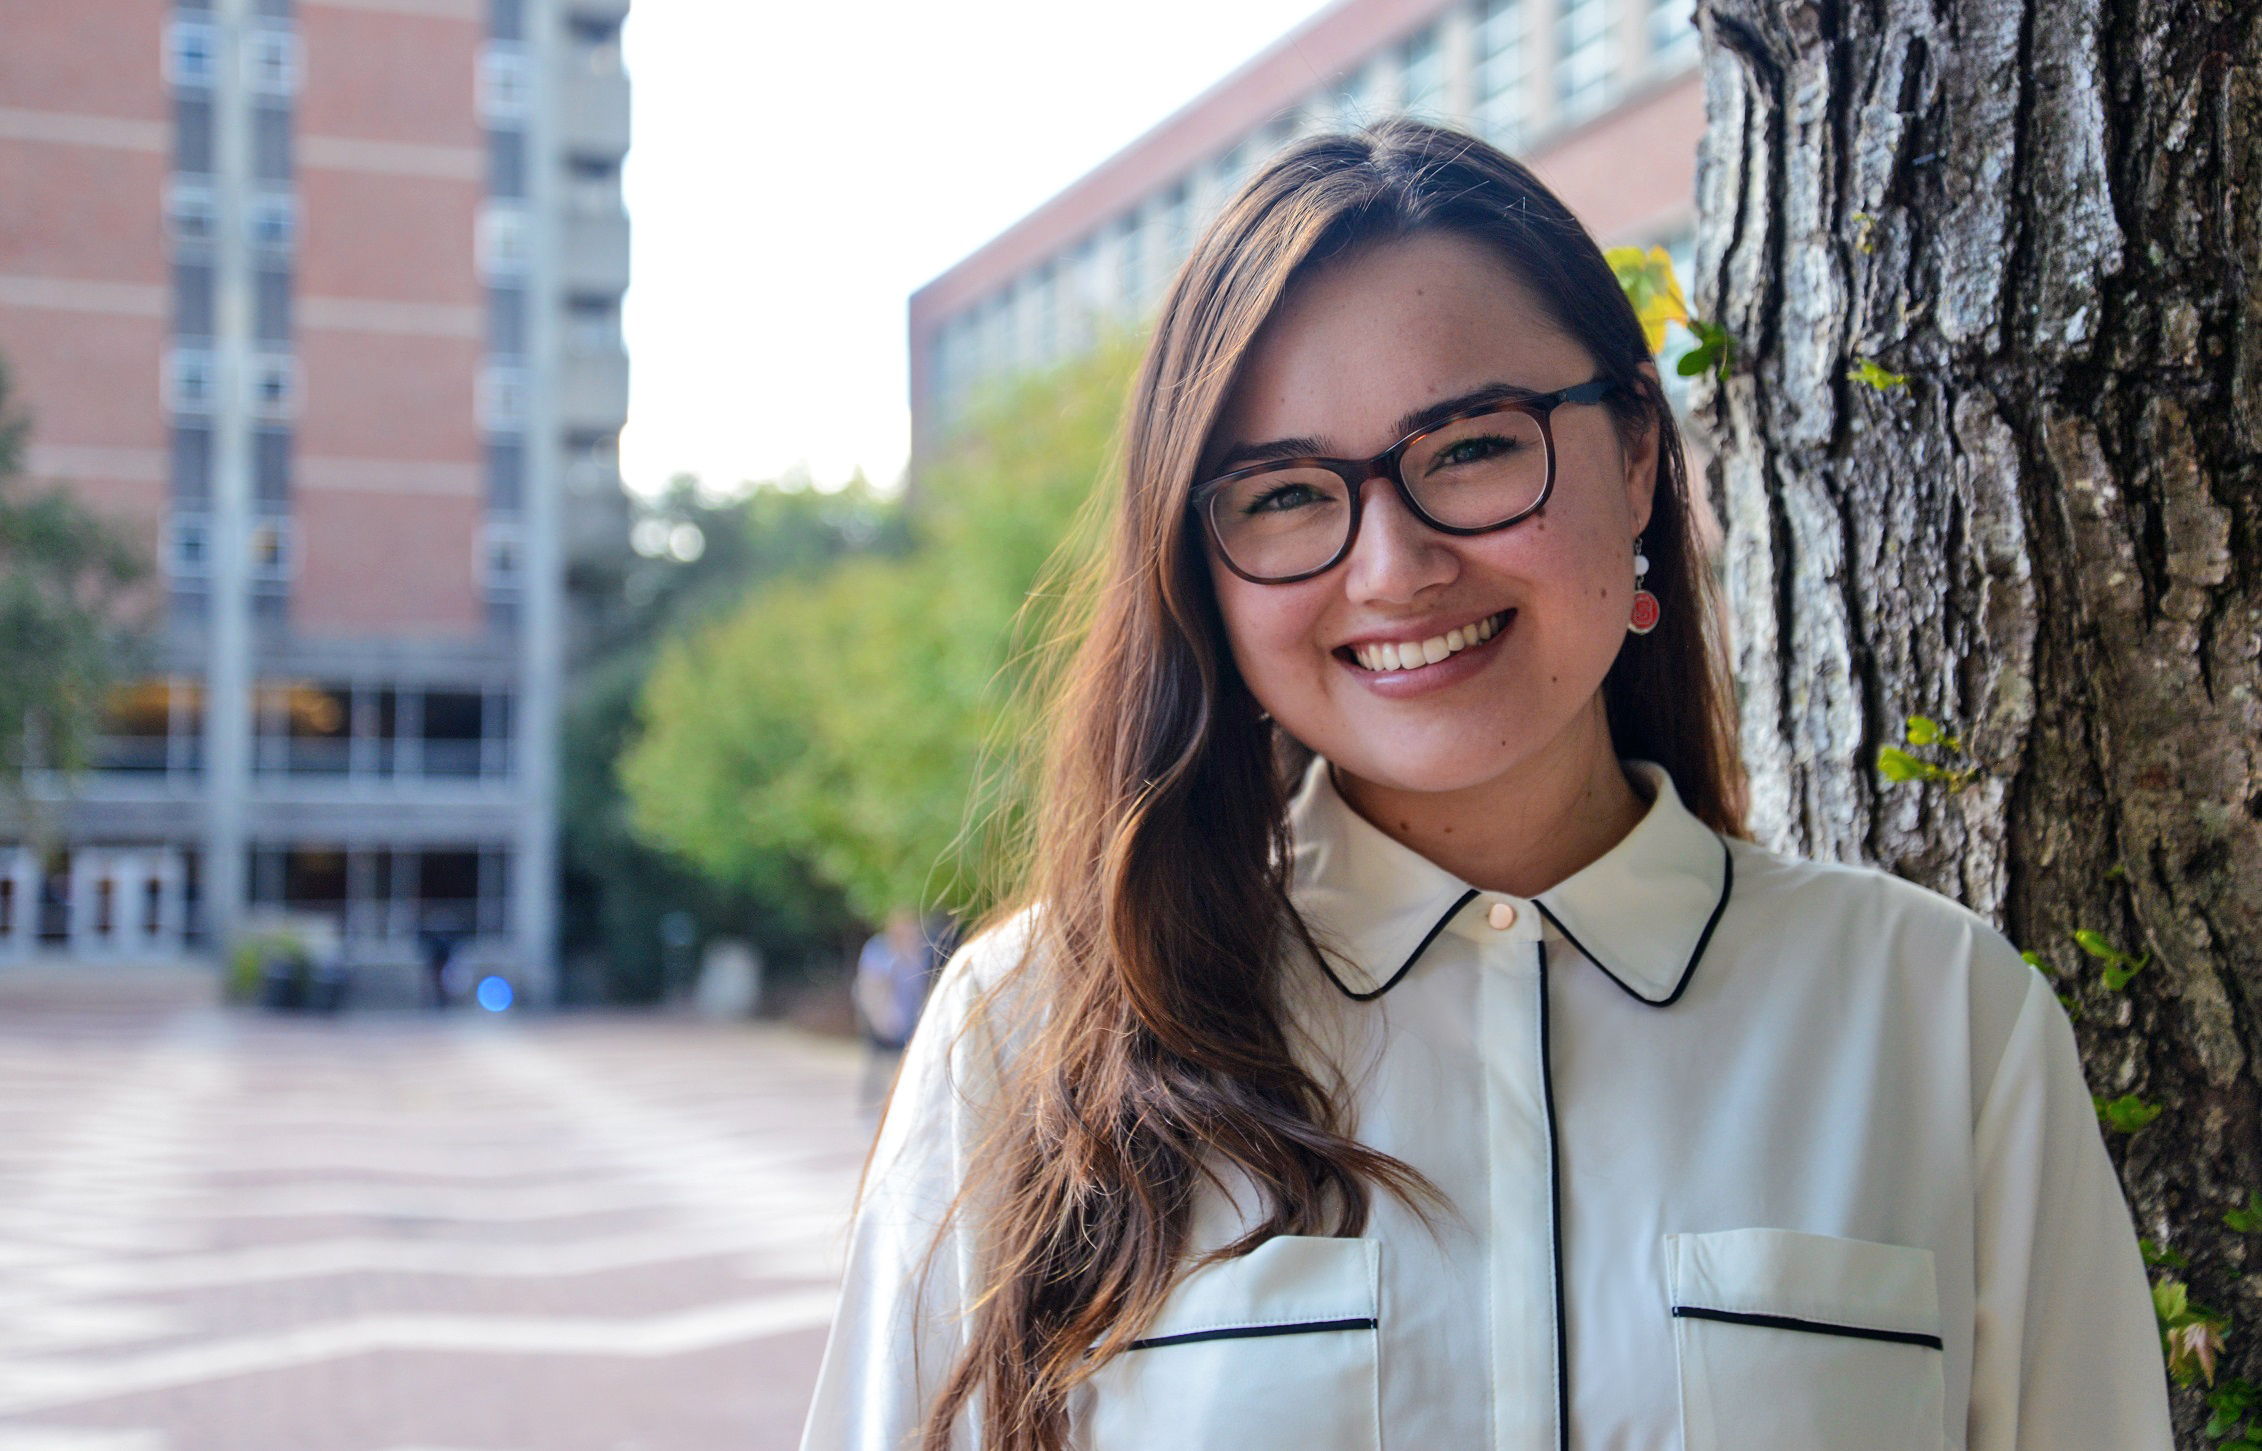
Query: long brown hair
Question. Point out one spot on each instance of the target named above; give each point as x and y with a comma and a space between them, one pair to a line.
1154, 1054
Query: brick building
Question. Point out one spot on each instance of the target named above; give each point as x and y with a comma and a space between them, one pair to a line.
1601, 97
321, 301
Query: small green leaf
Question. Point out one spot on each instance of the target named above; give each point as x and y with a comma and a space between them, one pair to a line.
2095, 945
1923, 731
2171, 1302
2119, 966
1898, 765
2159, 1256
2126, 1114
2247, 1219
1869, 372
2034, 960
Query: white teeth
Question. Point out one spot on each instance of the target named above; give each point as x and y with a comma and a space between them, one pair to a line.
1412, 655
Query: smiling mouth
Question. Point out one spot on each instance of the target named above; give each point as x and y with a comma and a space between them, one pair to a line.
1414, 654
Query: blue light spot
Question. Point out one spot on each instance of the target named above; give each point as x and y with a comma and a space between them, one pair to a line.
494, 994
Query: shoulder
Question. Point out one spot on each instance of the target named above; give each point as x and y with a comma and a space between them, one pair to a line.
1860, 921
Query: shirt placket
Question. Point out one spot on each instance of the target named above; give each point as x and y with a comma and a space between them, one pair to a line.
1525, 1390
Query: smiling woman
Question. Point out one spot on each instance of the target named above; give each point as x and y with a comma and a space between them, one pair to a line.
1396, 1042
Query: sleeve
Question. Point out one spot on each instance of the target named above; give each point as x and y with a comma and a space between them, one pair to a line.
2066, 1349
899, 1327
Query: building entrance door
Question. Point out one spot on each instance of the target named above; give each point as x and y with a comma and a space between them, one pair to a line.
126, 903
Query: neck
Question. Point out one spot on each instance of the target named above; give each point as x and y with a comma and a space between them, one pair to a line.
1524, 830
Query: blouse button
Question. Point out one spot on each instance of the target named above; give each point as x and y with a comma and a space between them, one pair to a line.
1502, 916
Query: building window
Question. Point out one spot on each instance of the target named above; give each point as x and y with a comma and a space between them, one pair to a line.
506, 84
192, 135
506, 163
271, 468
1422, 69
1673, 36
1582, 70
593, 186
271, 60
274, 385
506, 321
271, 305
503, 242
191, 215
506, 19
188, 545
454, 725
501, 398
192, 54
596, 45
1503, 102
272, 549
502, 556
592, 323
271, 143
506, 476
271, 221
191, 383
192, 465
192, 301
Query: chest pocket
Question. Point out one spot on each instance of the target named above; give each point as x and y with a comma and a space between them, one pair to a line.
1789, 1341
1274, 1351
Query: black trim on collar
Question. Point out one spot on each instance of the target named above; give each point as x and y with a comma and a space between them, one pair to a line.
1411, 958
1696, 955
1812, 1327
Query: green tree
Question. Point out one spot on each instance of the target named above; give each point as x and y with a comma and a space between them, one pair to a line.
857, 723
64, 578
617, 887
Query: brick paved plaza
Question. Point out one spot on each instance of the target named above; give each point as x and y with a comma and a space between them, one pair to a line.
221, 1231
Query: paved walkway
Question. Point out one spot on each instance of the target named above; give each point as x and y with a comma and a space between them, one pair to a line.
222, 1232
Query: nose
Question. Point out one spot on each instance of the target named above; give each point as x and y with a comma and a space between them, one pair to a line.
1396, 556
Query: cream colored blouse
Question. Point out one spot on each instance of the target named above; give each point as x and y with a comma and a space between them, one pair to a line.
1743, 1154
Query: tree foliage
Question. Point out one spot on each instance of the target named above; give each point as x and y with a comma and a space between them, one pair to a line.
865, 723
618, 887
64, 576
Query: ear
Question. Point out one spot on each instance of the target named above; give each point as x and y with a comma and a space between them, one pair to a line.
1640, 455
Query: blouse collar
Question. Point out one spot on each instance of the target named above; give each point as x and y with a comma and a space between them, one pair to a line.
1643, 911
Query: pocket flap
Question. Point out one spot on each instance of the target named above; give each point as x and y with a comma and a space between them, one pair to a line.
1288, 1283
1819, 1278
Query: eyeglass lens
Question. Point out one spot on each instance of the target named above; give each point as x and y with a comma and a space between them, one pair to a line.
1469, 474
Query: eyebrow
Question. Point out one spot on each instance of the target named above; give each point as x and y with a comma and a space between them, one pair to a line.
1306, 446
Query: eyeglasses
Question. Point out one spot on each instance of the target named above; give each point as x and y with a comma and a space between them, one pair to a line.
1470, 473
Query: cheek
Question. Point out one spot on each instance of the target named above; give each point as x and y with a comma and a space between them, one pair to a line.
1271, 629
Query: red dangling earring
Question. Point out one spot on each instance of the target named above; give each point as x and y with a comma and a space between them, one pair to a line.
1646, 610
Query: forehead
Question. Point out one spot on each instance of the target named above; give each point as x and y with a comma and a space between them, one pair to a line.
1361, 340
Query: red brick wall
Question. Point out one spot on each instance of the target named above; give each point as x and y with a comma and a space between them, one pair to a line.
388, 501
85, 132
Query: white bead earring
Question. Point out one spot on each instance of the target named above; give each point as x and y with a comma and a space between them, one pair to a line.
1646, 611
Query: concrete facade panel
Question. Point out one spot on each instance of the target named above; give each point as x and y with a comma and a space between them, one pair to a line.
81, 212
378, 563
386, 75
85, 378
374, 395
1631, 175
99, 57
388, 238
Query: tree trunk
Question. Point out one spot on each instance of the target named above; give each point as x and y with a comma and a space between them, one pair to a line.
2048, 216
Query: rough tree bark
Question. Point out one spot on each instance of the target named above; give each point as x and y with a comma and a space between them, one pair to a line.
2048, 216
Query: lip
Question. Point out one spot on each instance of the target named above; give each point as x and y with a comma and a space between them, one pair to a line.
1423, 679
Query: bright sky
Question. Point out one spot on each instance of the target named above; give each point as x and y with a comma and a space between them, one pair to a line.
800, 168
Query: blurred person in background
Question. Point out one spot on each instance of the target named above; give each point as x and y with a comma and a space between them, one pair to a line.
1396, 1039
893, 973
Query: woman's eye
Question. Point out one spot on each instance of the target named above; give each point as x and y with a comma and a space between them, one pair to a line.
1476, 450
1282, 497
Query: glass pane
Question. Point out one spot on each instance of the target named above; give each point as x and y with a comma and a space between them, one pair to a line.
1480, 470
1282, 521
